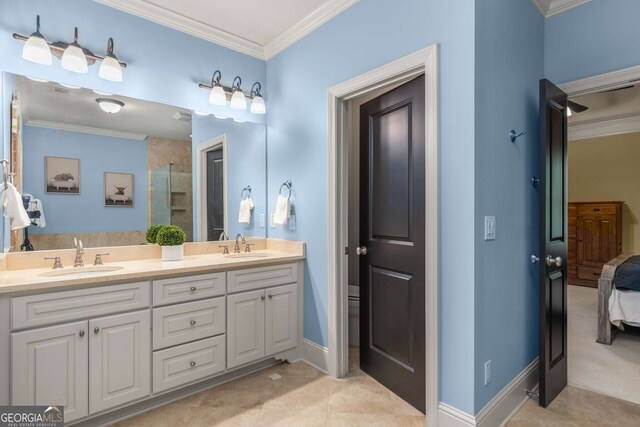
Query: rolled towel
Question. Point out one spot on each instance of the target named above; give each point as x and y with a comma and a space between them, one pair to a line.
246, 206
13, 207
283, 209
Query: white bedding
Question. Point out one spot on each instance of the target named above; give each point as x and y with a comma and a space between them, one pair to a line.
624, 307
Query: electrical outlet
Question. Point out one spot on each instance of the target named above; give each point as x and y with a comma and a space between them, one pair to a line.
489, 228
262, 220
487, 372
271, 223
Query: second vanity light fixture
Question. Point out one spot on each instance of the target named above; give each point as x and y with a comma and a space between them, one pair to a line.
219, 94
73, 56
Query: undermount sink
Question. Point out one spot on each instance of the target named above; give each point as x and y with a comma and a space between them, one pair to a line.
246, 255
81, 271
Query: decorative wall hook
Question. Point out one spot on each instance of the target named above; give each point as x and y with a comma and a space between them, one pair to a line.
513, 135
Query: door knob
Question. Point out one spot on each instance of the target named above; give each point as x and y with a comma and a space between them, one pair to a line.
362, 250
557, 261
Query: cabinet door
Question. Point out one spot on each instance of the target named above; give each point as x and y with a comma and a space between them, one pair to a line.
281, 326
245, 328
597, 243
49, 367
120, 354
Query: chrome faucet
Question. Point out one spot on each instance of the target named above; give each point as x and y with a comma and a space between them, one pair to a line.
77, 243
223, 236
236, 249
57, 263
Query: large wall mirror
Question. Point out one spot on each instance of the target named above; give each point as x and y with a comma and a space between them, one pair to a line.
103, 167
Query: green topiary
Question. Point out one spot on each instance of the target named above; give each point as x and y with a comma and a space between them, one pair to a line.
170, 235
152, 232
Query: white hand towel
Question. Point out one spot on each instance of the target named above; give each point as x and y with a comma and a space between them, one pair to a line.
13, 207
246, 206
283, 209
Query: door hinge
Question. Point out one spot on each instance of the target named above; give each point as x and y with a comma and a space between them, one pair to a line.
346, 250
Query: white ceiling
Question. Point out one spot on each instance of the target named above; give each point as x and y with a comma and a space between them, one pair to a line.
255, 27
51, 105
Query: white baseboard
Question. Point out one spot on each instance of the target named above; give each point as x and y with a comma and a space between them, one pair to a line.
500, 409
315, 355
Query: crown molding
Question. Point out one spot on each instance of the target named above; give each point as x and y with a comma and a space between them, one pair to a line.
553, 7
86, 129
190, 26
599, 83
600, 129
306, 25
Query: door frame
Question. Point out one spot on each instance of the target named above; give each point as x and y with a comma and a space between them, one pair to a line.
425, 62
202, 149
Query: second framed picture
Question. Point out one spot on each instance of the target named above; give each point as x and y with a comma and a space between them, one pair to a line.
118, 189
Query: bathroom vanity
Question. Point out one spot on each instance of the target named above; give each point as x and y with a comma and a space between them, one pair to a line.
109, 344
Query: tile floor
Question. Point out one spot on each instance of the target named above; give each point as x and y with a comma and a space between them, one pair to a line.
302, 397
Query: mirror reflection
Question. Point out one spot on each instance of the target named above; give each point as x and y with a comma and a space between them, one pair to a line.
103, 168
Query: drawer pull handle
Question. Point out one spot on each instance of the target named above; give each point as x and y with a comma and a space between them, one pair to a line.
270, 296
262, 298
193, 322
193, 289
192, 363
96, 330
596, 209
596, 274
81, 333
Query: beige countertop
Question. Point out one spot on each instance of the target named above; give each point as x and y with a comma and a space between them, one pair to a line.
20, 280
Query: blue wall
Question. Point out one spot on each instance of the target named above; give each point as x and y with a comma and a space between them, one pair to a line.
85, 212
246, 165
509, 63
368, 35
595, 38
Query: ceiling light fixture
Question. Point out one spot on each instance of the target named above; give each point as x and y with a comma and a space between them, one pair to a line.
73, 58
257, 102
219, 94
110, 68
110, 106
36, 49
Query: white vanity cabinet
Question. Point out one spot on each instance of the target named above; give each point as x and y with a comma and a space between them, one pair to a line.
261, 322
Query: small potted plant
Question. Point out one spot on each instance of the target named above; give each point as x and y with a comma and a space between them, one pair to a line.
171, 238
152, 233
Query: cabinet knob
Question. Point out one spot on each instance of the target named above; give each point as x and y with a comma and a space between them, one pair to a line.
193, 289
96, 330
193, 322
81, 333
262, 298
192, 363
270, 296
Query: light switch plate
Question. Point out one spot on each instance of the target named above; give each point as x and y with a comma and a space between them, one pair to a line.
262, 220
489, 228
271, 223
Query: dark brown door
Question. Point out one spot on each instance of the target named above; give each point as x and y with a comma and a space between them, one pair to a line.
392, 230
215, 194
553, 241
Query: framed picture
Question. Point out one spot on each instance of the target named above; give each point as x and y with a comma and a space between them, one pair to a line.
62, 175
118, 189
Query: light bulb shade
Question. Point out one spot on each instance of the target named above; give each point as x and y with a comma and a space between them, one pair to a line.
110, 69
36, 49
238, 100
257, 105
73, 59
217, 96
110, 106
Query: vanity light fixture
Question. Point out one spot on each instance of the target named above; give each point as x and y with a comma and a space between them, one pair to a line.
239, 120
218, 116
99, 92
73, 58
110, 68
35, 79
110, 106
257, 102
217, 96
238, 100
36, 49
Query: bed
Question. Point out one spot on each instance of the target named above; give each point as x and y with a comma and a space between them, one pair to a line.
618, 296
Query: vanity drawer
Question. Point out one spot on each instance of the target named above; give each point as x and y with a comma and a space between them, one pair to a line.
182, 323
183, 364
170, 291
261, 277
57, 307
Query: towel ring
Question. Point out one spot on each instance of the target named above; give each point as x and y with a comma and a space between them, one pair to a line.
247, 189
287, 184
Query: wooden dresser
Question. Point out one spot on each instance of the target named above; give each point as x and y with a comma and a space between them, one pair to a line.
595, 238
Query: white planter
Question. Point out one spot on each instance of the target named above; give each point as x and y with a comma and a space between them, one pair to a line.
172, 253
